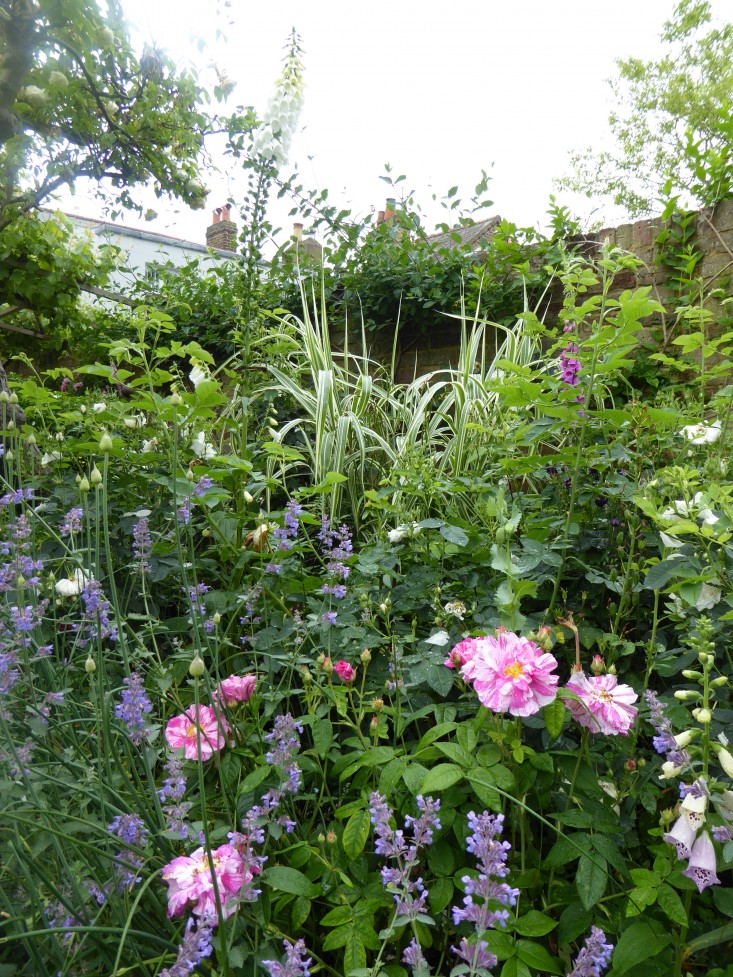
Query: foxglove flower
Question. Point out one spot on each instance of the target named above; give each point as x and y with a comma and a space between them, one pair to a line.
701, 866
512, 674
682, 836
604, 706
272, 139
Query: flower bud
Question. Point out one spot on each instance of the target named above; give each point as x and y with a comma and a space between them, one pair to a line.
374, 726
330, 837
248, 497
377, 705
725, 759
13, 398
197, 668
4, 397
327, 666
272, 422
598, 665
685, 695
11, 426
692, 674
365, 656
719, 682
630, 765
9, 455
216, 618
321, 839
703, 716
30, 440
105, 443
612, 669
20, 581
95, 477
90, 666
306, 675
190, 477
176, 399
84, 485
684, 739
77, 479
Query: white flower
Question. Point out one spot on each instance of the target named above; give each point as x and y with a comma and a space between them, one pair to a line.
669, 769
50, 457
709, 597
403, 532
150, 445
455, 607
203, 448
694, 809
137, 420
60, 436
702, 433
198, 374
73, 585
272, 139
671, 542
98, 408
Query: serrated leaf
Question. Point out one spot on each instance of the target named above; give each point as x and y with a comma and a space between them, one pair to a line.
553, 716
355, 834
671, 904
454, 534
637, 944
290, 880
441, 777
590, 879
535, 955
534, 923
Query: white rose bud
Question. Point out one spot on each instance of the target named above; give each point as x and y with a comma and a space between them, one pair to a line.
197, 668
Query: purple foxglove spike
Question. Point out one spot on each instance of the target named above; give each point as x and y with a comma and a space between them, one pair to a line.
702, 865
682, 836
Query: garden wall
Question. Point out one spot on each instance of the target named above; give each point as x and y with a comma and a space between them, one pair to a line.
422, 353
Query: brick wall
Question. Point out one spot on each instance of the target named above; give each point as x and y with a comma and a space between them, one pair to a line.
419, 354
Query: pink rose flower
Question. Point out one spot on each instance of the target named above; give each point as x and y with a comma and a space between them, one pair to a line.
181, 731
511, 674
190, 883
604, 706
236, 688
463, 652
344, 671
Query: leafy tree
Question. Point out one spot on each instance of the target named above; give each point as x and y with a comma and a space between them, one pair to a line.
673, 123
76, 101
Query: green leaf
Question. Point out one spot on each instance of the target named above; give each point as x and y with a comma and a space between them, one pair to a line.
290, 880
535, 955
454, 534
440, 778
299, 912
637, 944
441, 893
413, 777
723, 899
354, 955
322, 732
534, 923
671, 905
554, 717
590, 879
355, 834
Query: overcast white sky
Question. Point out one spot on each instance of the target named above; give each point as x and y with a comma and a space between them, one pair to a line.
438, 90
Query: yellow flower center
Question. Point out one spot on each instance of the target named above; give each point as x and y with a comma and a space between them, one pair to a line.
191, 731
514, 670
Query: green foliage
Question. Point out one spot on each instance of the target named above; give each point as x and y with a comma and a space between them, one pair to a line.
672, 121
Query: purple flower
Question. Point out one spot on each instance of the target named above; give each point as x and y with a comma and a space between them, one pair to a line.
477, 954
134, 706
294, 965
682, 836
141, 544
202, 487
72, 522
701, 867
594, 957
195, 594
413, 956
570, 366
285, 743
288, 532
196, 945
174, 790
130, 829
329, 617
96, 622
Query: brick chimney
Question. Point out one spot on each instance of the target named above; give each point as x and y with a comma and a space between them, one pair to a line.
222, 232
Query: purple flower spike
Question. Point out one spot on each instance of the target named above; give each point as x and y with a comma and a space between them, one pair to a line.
295, 964
702, 865
594, 957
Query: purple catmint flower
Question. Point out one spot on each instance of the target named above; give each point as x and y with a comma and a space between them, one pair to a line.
274, 568
295, 963
664, 742
329, 617
195, 946
19, 760
410, 895
285, 744
202, 487
133, 708
130, 829
71, 522
413, 956
173, 791
722, 833
183, 512
141, 544
594, 957
484, 891
96, 621
287, 533
477, 954
195, 594
17, 496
